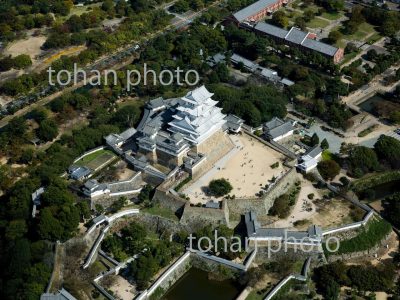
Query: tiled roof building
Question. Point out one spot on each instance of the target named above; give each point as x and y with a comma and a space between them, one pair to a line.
258, 10
304, 40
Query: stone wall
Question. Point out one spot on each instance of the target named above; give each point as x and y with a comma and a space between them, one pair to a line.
262, 205
264, 255
166, 200
151, 222
197, 217
214, 148
370, 252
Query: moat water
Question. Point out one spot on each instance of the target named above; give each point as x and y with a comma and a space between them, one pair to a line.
385, 189
369, 104
195, 285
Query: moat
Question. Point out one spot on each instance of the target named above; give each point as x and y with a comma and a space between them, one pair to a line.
196, 285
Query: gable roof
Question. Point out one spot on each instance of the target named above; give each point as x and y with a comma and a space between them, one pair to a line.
273, 123
314, 151
249, 11
296, 36
281, 130
271, 30
320, 47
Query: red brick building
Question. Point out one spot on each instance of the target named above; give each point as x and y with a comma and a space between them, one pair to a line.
258, 10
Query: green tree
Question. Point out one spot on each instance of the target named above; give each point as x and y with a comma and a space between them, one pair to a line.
314, 139
324, 144
279, 18
363, 159
220, 187
48, 130
334, 36
328, 169
388, 148
301, 23
16, 229
22, 61
145, 193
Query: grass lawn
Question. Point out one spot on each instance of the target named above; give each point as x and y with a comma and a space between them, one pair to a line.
92, 157
255, 296
162, 212
332, 16
79, 10
341, 44
362, 32
348, 57
373, 38
366, 27
327, 155
317, 23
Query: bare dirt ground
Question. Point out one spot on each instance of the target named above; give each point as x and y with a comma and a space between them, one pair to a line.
304, 208
377, 205
247, 167
122, 288
30, 46
125, 174
319, 211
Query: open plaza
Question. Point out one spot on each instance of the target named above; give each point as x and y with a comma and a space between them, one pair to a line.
247, 167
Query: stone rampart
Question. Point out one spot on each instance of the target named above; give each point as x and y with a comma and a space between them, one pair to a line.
197, 217
262, 205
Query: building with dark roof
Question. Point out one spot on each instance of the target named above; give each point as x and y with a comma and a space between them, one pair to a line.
277, 129
234, 123
309, 160
256, 234
296, 37
62, 294
263, 72
258, 10
79, 173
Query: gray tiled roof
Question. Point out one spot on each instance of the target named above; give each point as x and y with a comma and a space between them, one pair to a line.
212, 204
314, 151
273, 123
252, 9
235, 58
271, 30
80, 173
156, 103
296, 36
91, 184
287, 82
61, 295
281, 130
128, 133
320, 47
234, 119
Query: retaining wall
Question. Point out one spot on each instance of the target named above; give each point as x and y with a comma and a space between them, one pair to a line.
262, 205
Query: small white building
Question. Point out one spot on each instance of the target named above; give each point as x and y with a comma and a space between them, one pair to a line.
309, 160
93, 188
